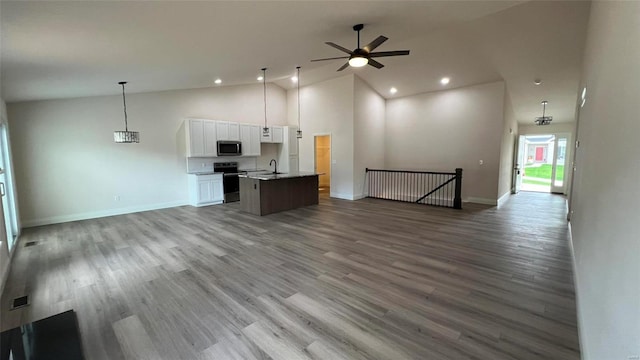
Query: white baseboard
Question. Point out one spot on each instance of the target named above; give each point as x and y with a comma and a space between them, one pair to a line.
346, 196
99, 214
577, 293
483, 201
504, 198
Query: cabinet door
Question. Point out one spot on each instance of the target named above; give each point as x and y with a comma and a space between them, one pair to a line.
196, 137
234, 131
222, 130
245, 138
205, 192
293, 164
293, 140
277, 134
217, 190
210, 145
255, 139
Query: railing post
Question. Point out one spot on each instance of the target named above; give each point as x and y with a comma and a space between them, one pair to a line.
457, 200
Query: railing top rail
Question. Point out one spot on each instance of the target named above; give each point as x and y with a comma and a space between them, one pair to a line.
413, 171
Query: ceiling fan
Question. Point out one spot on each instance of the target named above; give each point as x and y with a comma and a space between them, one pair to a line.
363, 56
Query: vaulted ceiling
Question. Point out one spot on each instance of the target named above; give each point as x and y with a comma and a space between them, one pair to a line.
55, 49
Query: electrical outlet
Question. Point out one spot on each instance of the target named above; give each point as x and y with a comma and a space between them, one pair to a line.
116, 198
203, 165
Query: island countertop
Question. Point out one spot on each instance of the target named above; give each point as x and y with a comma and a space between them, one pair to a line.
271, 176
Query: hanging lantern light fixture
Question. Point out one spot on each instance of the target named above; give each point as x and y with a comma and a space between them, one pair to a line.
299, 132
265, 129
543, 120
126, 136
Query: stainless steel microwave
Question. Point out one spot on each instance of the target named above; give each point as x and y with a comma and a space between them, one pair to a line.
229, 148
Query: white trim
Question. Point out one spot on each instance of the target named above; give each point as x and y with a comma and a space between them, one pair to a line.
484, 201
99, 214
359, 196
575, 290
343, 196
504, 198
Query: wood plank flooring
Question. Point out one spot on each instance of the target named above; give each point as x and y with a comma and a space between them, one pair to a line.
368, 279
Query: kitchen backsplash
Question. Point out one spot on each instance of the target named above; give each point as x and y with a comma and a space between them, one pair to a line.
196, 165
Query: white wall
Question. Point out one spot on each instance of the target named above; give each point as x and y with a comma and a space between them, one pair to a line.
444, 130
507, 149
369, 134
327, 108
605, 226
68, 167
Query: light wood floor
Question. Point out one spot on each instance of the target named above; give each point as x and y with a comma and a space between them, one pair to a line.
368, 279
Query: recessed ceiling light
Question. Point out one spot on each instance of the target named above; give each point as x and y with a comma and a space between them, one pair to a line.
444, 81
537, 81
294, 79
260, 78
218, 81
393, 90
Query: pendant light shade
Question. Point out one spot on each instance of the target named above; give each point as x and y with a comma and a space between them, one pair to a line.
265, 129
299, 132
126, 136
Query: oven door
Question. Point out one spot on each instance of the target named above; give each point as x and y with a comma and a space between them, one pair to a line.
231, 183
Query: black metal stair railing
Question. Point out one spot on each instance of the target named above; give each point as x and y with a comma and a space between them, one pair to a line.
422, 187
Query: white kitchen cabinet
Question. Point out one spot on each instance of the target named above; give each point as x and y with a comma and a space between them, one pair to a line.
227, 130
256, 131
205, 189
201, 137
210, 144
276, 135
222, 130
292, 137
250, 138
294, 166
234, 131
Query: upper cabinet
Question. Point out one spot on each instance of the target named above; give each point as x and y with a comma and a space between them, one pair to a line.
201, 138
276, 135
250, 138
203, 135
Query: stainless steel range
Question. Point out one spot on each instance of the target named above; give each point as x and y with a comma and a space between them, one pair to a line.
230, 180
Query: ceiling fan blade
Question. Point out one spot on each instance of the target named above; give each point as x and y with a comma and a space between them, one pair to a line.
389, 53
346, 65
375, 64
333, 58
375, 43
339, 47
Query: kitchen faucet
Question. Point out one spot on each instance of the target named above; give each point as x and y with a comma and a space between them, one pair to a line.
275, 168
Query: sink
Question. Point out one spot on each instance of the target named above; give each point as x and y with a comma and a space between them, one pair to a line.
270, 173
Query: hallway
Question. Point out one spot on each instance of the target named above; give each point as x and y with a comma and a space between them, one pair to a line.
342, 280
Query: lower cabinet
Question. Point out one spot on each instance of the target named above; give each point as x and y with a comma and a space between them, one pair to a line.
205, 189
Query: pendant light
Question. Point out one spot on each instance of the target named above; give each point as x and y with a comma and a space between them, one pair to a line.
126, 136
544, 120
299, 132
265, 129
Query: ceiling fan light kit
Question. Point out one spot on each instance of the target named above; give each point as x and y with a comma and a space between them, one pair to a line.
362, 56
543, 120
126, 136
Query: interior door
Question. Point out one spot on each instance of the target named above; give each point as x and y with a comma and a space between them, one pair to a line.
519, 165
559, 170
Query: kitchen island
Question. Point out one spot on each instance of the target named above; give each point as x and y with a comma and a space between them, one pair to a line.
268, 193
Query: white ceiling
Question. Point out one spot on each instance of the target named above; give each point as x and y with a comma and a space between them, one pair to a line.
54, 49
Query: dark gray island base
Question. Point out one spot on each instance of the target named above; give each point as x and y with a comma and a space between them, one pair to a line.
268, 194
